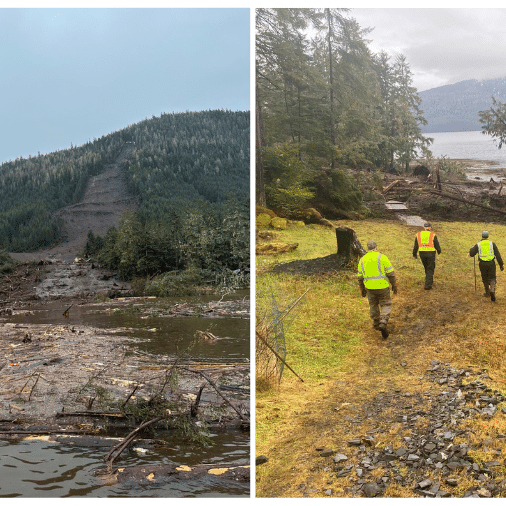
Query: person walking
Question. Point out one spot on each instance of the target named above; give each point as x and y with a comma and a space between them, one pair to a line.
487, 255
426, 245
374, 274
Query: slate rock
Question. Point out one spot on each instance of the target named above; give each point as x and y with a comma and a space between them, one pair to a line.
371, 489
261, 459
492, 463
327, 453
340, 458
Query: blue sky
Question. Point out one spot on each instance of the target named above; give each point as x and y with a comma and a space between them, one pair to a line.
69, 75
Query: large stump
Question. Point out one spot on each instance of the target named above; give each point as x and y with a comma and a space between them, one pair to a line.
348, 245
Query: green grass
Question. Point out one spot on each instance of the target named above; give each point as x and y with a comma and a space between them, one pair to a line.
332, 346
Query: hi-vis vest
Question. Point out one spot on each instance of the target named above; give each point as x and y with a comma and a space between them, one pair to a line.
373, 268
425, 240
486, 251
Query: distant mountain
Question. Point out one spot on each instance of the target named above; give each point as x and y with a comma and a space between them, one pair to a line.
455, 107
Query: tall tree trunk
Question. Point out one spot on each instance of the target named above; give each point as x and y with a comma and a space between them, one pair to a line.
331, 82
260, 142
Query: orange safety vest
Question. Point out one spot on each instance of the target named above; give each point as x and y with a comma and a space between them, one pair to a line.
425, 240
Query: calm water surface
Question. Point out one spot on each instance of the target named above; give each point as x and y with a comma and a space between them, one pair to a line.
472, 145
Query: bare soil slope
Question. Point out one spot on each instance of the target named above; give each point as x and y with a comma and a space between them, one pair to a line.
105, 199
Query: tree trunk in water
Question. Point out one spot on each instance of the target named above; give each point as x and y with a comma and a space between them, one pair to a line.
348, 245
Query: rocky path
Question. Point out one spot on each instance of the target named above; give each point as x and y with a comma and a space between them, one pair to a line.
433, 458
417, 415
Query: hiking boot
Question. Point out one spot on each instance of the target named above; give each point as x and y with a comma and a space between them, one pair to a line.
492, 296
383, 329
428, 287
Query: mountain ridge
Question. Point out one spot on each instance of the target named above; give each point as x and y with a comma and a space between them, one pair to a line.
456, 107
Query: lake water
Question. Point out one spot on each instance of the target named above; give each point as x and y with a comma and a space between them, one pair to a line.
472, 145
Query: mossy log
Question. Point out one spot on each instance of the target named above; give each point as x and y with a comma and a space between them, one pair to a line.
275, 248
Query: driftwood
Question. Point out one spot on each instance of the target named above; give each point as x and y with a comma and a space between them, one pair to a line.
63, 432
99, 414
116, 450
448, 195
213, 384
195, 406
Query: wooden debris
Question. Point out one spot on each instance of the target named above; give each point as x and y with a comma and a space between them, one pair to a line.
202, 334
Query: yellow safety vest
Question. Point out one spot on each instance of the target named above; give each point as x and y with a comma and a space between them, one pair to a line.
373, 269
425, 240
486, 251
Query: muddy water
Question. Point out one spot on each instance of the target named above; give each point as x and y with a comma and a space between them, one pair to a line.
38, 468
47, 469
154, 333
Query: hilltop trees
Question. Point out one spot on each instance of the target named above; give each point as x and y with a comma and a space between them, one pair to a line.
325, 99
494, 121
190, 172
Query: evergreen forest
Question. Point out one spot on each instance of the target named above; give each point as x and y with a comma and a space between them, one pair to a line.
325, 105
190, 172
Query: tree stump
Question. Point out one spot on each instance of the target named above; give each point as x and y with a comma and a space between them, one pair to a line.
348, 245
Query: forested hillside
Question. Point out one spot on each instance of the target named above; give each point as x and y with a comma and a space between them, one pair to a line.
455, 107
190, 172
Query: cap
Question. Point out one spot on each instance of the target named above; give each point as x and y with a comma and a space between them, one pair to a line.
371, 245
484, 234
426, 224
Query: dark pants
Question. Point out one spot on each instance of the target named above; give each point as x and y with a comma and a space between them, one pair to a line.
428, 259
488, 270
380, 305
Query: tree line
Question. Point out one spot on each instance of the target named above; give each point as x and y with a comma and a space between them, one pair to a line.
325, 102
190, 172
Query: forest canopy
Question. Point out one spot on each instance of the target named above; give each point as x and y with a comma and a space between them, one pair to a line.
324, 104
190, 172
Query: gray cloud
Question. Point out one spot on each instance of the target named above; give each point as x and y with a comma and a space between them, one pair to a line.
442, 46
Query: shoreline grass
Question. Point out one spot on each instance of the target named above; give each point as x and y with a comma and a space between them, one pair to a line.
332, 346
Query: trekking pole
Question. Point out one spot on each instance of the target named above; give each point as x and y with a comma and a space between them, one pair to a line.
474, 274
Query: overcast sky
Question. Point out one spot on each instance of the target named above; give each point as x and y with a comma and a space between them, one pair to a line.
68, 75
441, 45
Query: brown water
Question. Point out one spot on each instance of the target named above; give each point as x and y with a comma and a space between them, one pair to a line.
47, 469
36, 468
155, 334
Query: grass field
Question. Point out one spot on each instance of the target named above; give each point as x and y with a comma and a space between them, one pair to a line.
331, 344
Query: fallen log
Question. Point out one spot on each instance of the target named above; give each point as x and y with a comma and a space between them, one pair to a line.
213, 384
458, 199
116, 450
168, 473
99, 414
391, 185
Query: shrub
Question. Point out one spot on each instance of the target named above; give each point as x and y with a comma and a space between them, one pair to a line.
7, 263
